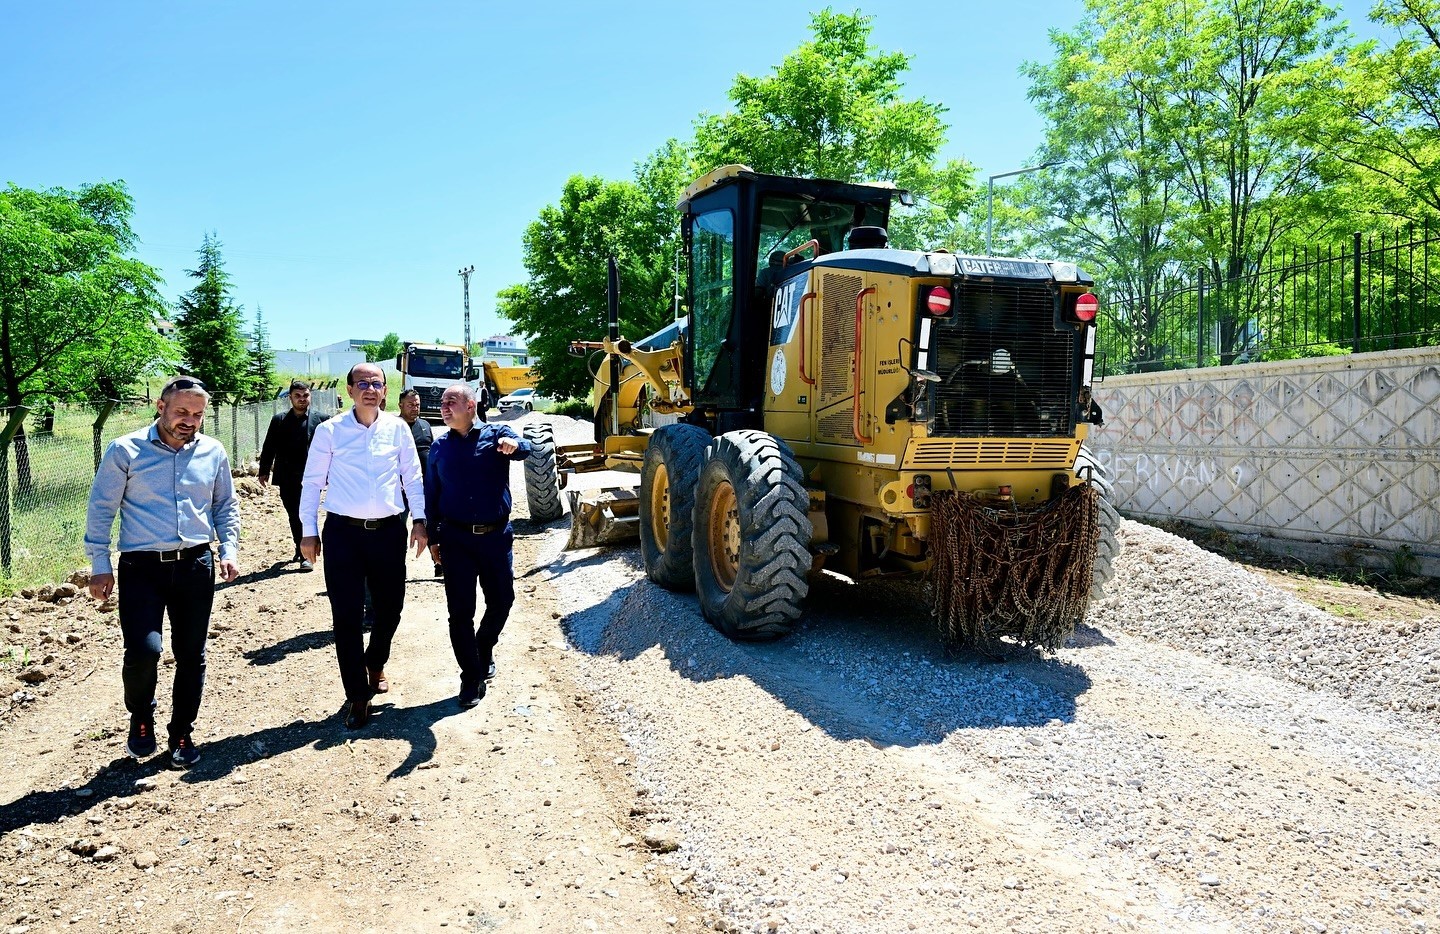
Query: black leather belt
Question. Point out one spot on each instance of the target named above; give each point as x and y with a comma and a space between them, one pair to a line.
484, 528
371, 523
167, 557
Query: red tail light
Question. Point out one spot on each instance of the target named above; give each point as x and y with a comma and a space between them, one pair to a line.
1087, 306
938, 302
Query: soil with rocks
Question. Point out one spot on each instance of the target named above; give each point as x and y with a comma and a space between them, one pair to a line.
1210, 752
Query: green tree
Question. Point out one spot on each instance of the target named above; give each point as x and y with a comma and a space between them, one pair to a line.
77, 314
1391, 99
833, 109
209, 326
1114, 204
261, 367
565, 253
1188, 132
387, 349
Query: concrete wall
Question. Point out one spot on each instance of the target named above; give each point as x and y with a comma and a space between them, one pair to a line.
1340, 451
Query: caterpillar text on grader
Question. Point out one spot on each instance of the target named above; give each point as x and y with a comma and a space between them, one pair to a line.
829, 401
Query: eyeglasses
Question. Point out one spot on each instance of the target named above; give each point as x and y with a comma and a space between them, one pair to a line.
364, 384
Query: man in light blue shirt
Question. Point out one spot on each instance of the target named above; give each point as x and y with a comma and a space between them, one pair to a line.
171, 486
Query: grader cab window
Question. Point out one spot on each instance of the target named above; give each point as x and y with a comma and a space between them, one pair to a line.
712, 259
787, 221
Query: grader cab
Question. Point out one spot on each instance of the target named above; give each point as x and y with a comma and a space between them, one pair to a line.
832, 402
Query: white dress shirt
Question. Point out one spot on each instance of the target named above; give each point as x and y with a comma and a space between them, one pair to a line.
363, 470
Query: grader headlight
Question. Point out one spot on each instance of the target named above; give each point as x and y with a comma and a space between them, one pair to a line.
919, 490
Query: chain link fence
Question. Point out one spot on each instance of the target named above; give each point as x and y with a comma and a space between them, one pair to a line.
48, 460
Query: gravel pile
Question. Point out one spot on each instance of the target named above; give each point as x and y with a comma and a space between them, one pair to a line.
1170, 590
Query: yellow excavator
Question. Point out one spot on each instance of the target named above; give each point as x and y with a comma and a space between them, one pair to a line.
832, 402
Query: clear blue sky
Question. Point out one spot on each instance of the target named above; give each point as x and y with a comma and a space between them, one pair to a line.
351, 157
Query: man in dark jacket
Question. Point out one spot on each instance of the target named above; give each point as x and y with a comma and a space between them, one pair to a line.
282, 457
467, 497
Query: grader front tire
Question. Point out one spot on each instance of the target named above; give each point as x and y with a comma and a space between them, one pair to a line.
667, 501
751, 536
542, 483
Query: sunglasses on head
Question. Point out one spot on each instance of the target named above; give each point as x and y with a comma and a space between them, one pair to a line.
186, 382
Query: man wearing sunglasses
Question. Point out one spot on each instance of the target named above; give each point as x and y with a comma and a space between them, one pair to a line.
365, 462
171, 486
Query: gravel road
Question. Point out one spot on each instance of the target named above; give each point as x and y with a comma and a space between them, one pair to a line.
1209, 753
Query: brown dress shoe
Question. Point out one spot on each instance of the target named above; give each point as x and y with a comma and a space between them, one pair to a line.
358, 715
379, 683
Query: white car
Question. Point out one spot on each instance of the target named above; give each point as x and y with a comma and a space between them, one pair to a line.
523, 399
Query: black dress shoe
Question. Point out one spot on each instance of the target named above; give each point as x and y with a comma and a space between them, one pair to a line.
470, 694
358, 715
490, 672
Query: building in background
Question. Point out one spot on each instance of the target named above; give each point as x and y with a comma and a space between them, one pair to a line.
332, 359
505, 350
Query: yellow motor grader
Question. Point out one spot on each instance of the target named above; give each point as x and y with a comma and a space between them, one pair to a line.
831, 402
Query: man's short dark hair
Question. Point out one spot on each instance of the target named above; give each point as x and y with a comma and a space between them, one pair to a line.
298, 384
404, 393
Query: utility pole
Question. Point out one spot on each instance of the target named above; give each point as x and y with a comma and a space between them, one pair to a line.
465, 275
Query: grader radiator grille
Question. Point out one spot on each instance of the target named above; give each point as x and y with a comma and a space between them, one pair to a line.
939, 454
1004, 369
837, 350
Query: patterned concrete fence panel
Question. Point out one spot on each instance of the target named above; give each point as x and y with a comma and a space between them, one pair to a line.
1341, 451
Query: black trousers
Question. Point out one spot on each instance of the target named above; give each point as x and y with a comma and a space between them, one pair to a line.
489, 561
355, 558
290, 497
148, 589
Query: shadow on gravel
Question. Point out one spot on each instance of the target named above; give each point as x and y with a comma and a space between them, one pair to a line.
273, 571
304, 642
865, 663
218, 759
525, 528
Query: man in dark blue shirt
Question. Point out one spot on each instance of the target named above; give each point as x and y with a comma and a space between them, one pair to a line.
467, 496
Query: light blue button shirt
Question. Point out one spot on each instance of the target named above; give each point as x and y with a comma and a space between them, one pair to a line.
167, 499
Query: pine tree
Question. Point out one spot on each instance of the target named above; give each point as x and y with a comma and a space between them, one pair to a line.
208, 326
261, 369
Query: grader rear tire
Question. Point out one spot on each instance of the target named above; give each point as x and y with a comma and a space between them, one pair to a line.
1107, 547
542, 483
667, 502
751, 536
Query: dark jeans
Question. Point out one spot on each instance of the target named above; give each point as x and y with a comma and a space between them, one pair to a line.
290, 497
354, 558
489, 560
148, 589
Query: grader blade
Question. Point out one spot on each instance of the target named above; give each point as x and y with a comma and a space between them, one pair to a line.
602, 517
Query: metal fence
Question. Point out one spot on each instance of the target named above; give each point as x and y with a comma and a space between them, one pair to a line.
1379, 293
47, 461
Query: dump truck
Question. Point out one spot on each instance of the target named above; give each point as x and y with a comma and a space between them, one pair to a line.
830, 402
503, 380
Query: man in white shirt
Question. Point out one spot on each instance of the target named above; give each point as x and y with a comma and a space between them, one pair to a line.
365, 461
